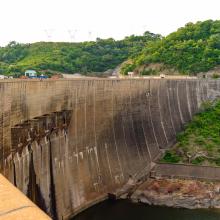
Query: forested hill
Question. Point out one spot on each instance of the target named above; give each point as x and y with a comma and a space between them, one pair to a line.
192, 49
98, 56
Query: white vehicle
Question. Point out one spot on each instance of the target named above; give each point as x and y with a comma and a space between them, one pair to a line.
30, 74
3, 77
162, 75
130, 74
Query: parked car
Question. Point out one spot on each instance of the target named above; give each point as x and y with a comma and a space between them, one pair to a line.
3, 77
162, 76
32, 74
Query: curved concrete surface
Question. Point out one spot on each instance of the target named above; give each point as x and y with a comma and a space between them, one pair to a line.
117, 128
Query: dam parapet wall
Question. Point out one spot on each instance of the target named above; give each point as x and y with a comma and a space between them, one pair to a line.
115, 129
186, 171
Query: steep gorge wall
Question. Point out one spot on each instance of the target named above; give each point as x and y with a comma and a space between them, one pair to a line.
117, 128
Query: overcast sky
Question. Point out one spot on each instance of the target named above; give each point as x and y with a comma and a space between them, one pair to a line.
80, 20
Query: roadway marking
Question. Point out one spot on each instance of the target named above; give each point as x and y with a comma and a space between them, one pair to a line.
17, 209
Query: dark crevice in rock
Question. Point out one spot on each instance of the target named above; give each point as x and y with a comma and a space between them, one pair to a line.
34, 192
52, 187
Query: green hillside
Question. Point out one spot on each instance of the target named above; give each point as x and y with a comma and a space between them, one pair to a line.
192, 49
85, 57
200, 142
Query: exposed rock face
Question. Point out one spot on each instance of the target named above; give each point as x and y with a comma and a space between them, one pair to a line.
190, 194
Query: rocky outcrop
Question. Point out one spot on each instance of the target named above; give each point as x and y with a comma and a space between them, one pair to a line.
190, 194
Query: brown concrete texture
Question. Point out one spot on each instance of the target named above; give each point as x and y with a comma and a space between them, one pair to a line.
117, 128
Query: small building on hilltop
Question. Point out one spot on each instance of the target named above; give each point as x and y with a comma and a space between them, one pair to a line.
30, 73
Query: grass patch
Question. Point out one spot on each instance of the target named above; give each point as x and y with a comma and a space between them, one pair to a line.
199, 143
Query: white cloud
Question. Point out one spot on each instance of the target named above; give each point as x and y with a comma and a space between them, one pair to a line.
78, 20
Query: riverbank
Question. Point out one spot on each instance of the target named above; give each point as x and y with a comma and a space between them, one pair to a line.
177, 193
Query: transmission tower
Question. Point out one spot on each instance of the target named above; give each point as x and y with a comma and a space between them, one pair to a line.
90, 35
49, 33
72, 33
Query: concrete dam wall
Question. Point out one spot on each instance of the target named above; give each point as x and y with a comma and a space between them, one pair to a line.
67, 143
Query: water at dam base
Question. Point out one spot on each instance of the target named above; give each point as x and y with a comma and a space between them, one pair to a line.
125, 210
